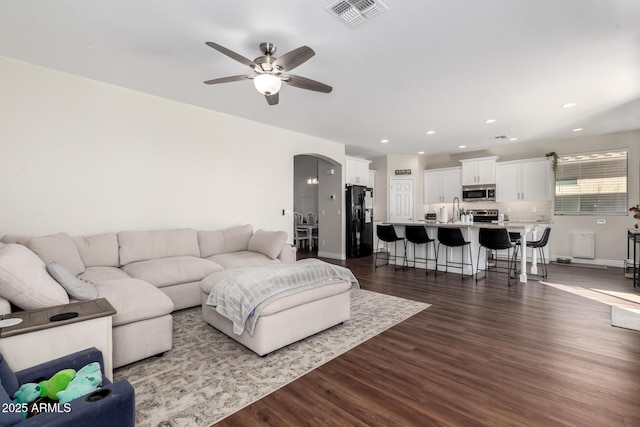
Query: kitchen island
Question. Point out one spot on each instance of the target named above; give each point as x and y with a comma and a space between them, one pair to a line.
471, 233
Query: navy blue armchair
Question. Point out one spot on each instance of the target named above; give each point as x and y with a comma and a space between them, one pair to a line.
111, 405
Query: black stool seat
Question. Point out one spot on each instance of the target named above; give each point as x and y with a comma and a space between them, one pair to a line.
417, 235
496, 239
539, 245
452, 237
387, 233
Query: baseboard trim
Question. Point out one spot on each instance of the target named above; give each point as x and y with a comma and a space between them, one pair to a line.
331, 255
597, 261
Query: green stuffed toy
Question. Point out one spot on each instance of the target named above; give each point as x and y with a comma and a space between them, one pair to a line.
58, 382
88, 379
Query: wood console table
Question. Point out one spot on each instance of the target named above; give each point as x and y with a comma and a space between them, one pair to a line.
37, 339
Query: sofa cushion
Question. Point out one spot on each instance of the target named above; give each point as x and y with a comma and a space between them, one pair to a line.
80, 290
172, 271
134, 300
98, 250
269, 243
100, 274
242, 259
232, 239
24, 280
16, 238
145, 245
58, 248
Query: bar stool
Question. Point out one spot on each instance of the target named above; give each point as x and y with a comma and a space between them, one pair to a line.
496, 239
418, 235
452, 237
539, 245
387, 234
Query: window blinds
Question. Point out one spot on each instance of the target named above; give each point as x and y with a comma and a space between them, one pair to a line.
592, 184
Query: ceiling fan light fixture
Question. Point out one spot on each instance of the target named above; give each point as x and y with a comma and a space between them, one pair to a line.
267, 84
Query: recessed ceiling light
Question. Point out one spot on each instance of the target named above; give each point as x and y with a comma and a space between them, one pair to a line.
462, 146
431, 132
490, 121
384, 141
513, 139
569, 105
576, 130
420, 152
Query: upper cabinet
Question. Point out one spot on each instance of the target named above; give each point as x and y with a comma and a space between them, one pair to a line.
357, 171
442, 185
523, 180
479, 171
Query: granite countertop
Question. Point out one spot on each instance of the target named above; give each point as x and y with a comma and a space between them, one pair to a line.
507, 224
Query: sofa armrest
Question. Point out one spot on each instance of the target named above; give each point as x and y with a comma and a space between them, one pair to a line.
46, 370
111, 405
288, 254
5, 306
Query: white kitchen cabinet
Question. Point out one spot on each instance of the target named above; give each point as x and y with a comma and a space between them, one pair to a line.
479, 171
523, 180
442, 185
357, 171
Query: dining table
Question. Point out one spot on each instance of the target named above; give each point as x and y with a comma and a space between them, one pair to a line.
307, 228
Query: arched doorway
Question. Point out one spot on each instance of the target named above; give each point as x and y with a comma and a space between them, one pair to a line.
317, 188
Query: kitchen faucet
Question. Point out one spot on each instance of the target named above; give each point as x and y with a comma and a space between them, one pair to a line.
454, 208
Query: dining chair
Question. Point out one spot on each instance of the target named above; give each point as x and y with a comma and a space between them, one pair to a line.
311, 217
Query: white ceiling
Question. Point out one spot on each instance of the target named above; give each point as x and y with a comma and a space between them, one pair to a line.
422, 65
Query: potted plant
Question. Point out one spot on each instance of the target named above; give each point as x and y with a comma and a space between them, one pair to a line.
554, 160
636, 213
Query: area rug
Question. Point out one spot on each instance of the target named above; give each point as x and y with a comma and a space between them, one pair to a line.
207, 376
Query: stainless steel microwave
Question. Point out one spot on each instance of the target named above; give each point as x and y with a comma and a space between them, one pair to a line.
478, 193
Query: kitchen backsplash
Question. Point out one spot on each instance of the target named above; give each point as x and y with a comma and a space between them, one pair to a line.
539, 211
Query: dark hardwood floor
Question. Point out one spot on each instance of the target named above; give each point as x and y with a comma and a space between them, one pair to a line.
482, 355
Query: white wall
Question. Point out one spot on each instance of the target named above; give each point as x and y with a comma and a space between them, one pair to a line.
331, 243
85, 157
305, 196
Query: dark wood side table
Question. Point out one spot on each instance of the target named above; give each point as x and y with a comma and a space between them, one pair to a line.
633, 236
38, 338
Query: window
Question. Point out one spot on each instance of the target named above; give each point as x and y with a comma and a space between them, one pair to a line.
592, 184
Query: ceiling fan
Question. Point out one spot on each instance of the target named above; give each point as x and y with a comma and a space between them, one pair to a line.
270, 72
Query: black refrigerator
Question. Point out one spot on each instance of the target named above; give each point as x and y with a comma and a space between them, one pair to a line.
359, 215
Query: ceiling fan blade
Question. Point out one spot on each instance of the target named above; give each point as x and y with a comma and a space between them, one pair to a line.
227, 79
305, 83
231, 54
273, 99
291, 60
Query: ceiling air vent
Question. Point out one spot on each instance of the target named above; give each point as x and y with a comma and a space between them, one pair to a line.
356, 12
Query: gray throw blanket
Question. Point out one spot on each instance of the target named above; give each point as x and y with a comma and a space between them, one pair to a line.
241, 296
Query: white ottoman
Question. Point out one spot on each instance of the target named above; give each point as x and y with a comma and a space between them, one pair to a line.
286, 320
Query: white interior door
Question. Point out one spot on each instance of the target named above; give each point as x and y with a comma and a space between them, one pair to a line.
401, 199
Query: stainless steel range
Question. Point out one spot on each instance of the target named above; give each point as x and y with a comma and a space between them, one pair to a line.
484, 215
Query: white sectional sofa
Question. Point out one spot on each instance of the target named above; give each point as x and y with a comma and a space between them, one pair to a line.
145, 275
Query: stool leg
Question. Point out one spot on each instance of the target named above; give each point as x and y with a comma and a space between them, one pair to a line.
437, 255
471, 259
